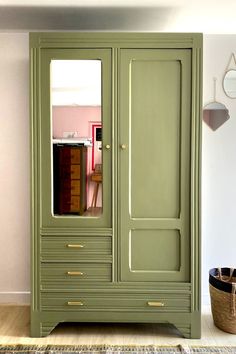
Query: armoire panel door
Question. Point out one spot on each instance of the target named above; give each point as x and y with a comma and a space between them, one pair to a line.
154, 164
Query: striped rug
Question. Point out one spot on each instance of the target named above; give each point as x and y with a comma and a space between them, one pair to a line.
103, 349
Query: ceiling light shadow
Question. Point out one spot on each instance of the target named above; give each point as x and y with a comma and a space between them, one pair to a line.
86, 18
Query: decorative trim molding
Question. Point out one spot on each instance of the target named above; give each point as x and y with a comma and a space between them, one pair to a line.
23, 297
15, 297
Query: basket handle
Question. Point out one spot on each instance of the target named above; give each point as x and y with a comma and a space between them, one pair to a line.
219, 273
232, 302
230, 274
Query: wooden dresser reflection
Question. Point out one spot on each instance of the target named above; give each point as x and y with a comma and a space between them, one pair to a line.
69, 179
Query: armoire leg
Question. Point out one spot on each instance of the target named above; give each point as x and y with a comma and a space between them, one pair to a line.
47, 328
35, 327
190, 330
41, 329
184, 329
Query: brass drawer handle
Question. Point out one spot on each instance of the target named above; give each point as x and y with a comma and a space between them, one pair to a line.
155, 304
75, 246
75, 273
75, 303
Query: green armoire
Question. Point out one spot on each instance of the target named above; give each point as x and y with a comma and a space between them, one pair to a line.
135, 255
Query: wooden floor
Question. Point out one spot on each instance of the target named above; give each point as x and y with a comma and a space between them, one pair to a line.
15, 320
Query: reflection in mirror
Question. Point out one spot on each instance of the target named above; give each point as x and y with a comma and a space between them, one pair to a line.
229, 83
76, 138
215, 114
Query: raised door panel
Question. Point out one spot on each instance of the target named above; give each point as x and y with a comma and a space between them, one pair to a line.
154, 160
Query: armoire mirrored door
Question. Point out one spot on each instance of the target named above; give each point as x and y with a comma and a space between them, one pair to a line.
76, 136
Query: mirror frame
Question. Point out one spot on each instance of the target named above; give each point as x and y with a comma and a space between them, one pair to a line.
224, 78
230, 67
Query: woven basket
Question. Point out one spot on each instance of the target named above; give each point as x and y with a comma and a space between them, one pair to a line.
222, 283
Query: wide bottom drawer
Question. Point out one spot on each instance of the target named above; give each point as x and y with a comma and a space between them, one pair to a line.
142, 302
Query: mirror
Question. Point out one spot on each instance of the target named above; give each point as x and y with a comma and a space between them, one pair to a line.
229, 83
215, 114
76, 137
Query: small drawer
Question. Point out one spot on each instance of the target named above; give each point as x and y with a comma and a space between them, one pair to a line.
75, 187
68, 172
69, 155
69, 203
75, 155
144, 303
74, 203
70, 187
76, 248
70, 275
75, 171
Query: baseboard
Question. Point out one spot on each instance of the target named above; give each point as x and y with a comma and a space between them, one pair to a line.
15, 297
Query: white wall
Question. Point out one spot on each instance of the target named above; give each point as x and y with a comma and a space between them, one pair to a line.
14, 168
218, 167
218, 164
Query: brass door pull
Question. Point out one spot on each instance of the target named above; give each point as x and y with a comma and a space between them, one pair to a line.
155, 304
123, 146
75, 273
108, 146
75, 303
75, 246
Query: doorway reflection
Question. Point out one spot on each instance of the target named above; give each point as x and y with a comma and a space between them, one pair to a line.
76, 138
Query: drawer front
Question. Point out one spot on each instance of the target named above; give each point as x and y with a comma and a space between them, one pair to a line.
69, 155
138, 303
76, 248
69, 203
69, 186
75, 187
75, 171
68, 172
64, 275
75, 155
74, 203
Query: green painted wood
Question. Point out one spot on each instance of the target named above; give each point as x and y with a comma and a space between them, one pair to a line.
155, 125
115, 315
157, 244
114, 40
128, 220
76, 231
196, 188
35, 194
87, 302
47, 217
72, 275
76, 249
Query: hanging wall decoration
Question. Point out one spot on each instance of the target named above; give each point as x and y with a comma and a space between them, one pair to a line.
215, 113
229, 80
